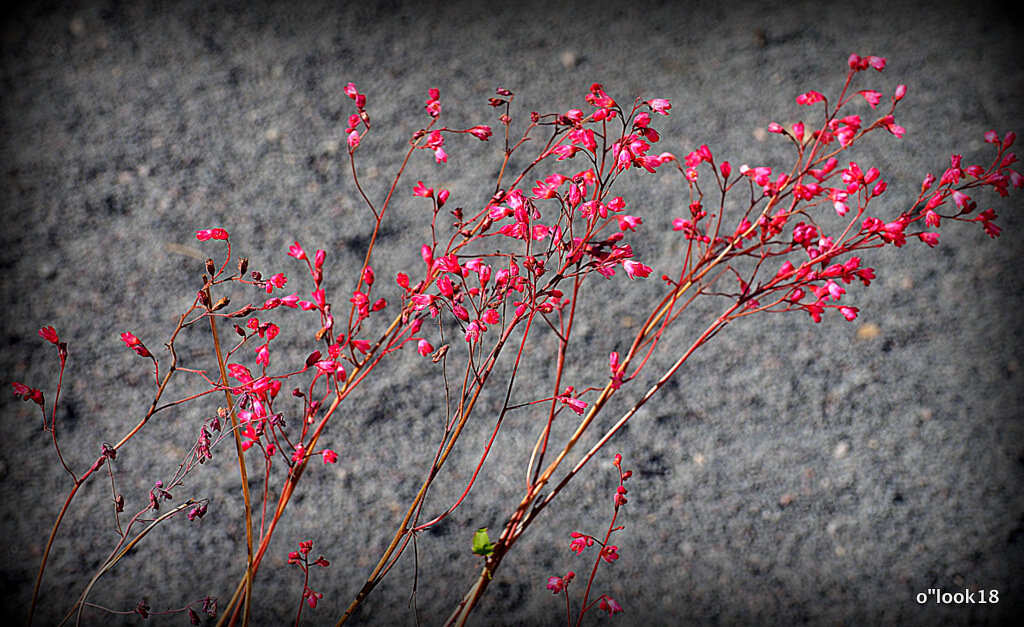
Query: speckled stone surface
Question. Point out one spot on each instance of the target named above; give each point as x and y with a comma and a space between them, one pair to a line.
794, 473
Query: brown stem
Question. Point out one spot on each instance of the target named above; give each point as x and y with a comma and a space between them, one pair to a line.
243, 475
96, 465
529, 508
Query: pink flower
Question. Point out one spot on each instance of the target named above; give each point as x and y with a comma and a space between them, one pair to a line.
206, 234
353, 140
49, 334
351, 91
849, 312
299, 453
876, 62
481, 132
135, 344
890, 125
575, 404
433, 102
26, 393
328, 366
636, 269
296, 251
609, 605
610, 553
809, 98
555, 584
873, 97
424, 348
448, 263
422, 190
422, 301
263, 355
278, 281
445, 287
330, 456
580, 542
613, 365
319, 298
659, 105
628, 223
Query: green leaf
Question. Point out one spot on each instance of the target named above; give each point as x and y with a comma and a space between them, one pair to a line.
482, 544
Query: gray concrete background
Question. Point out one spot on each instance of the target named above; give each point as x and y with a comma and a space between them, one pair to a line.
127, 126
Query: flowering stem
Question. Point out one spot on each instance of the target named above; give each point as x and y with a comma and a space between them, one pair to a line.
241, 461
529, 509
464, 413
80, 481
597, 562
116, 558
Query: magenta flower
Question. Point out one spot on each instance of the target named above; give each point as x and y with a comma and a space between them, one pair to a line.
659, 105
609, 605
636, 269
422, 190
481, 132
207, 234
809, 98
296, 251
135, 344
49, 334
